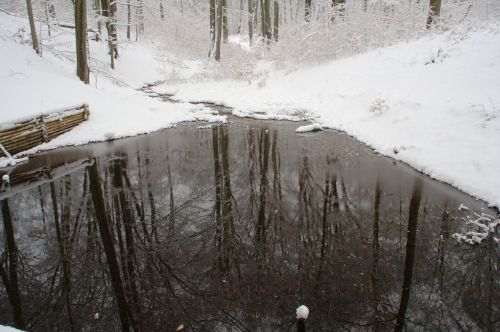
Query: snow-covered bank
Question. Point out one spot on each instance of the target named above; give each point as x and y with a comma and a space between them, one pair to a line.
31, 84
433, 103
4, 328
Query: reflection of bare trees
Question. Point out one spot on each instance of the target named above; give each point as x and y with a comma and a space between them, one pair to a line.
416, 197
150, 240
9, 276
103, 221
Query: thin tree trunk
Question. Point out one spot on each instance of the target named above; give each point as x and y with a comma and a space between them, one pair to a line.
276, 21
129, 18
34, 37
211, 4
307, 10
225, 27
250, 19
219, 30
434, 12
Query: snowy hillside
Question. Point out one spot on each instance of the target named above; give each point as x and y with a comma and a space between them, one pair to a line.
32, 84
433, 103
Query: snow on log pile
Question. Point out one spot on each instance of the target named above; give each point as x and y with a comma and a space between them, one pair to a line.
27, 133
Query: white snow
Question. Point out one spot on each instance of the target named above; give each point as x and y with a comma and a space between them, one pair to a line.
308, 128
4, 328
433, 103
482, 226
6, 178
31, 85
302, 312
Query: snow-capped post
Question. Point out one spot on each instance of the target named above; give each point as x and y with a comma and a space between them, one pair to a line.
302, 314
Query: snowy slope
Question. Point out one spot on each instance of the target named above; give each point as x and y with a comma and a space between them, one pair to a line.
31, 84
433, 103
4, 328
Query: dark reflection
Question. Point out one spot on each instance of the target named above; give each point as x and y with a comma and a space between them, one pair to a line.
230, 229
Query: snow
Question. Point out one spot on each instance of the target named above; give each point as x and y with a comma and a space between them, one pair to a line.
302, 312
433, 103
309, 128
482, 225
6, 178
4, 328
32, 85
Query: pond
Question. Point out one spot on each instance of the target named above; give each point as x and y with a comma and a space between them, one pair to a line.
230, 228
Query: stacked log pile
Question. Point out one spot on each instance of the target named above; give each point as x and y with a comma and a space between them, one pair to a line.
28, 133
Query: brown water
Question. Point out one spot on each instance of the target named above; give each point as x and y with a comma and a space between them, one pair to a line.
230, 229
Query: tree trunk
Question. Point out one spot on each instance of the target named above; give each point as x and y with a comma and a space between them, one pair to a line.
129, 18
219, 30
82, 66
267, 9
250, 19
34, 37
211, 4
434, 12
276, 20
107, 13
225, 27
307, 10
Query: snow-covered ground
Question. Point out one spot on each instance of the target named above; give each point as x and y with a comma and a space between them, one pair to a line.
433, 103
4, 328
31, 84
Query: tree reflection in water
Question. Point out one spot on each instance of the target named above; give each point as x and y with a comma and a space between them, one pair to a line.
231, 229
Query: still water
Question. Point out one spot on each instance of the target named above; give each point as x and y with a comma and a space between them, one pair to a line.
230, 228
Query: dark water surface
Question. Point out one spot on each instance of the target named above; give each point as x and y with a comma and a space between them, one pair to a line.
230, 229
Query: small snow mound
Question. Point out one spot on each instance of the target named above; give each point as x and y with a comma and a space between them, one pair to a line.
6, 178
463, 207
379, 106
309, 128
204, 127
302, 312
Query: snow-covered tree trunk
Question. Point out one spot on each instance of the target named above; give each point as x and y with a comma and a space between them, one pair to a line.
82, 66
31, 19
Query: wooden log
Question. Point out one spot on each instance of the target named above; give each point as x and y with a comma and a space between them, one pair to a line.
28, 133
